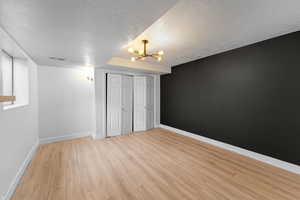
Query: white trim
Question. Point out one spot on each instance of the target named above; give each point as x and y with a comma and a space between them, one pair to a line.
20, 172
13, 106
93, 135
97, 137
156, 97
118, 71
139, 65
263, 158
65, 137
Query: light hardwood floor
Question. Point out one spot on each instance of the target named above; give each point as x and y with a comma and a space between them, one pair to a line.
153, 165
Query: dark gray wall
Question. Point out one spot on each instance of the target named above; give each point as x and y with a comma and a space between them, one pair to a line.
248, 97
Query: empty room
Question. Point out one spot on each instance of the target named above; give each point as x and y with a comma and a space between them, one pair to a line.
149, 100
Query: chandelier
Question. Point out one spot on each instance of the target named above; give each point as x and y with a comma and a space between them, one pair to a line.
142, 54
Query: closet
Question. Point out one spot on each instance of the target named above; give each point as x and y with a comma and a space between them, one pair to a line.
129, 103
143, 103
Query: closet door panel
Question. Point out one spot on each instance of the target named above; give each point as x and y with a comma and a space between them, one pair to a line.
114, 104
127, 103
150, 102
139, 103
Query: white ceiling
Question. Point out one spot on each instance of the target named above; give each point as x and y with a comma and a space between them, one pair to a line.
85, 32
194, 29
9, 46
93, 31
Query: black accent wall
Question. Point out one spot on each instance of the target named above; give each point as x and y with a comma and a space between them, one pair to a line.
248, 97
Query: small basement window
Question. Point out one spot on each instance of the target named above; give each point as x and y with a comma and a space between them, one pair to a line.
15, 80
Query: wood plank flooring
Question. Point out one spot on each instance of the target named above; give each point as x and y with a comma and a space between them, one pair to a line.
152, 165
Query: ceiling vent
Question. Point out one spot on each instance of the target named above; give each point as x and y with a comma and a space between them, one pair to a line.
57, 58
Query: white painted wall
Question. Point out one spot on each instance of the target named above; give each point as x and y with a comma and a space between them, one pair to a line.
18, 132
66, 103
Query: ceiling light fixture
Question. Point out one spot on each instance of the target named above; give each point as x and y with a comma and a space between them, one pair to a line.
143, 54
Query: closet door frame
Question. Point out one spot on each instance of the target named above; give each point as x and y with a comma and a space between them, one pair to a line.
150, 102
101, 99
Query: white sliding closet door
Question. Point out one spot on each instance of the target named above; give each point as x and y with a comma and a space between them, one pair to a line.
127, 103
114, 104
143, 103
150, 102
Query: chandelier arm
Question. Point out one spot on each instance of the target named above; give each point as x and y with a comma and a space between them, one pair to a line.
145, 48
156, 55
138, 57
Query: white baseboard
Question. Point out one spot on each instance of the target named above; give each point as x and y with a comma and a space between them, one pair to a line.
263, 158
94, 136
65, 137
29, 156
97, 137
157, 125
20, 172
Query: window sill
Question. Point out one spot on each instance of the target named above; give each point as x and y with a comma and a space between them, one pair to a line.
10, 107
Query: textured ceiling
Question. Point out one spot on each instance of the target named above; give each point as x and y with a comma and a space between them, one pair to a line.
91, 32
194, 29
85, 32
9, 46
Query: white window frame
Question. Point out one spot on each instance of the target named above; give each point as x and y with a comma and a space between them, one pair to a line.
14, 104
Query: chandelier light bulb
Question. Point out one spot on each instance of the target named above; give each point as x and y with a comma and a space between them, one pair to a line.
130, 50
161, 53
159, 58
133, 59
